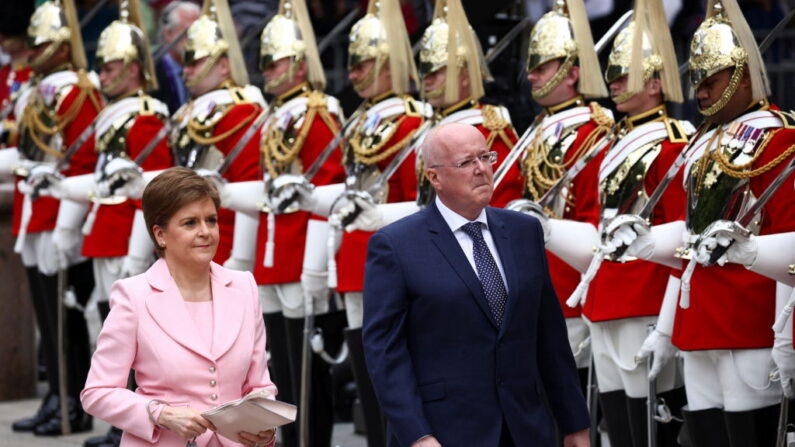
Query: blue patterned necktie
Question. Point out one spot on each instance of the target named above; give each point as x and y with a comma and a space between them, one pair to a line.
488, 272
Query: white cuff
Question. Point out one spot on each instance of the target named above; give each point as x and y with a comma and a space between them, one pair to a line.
392, 212
71, 215
775, 252
667, 238
316, 247
322, 198
77, 188
244, 197
573, 242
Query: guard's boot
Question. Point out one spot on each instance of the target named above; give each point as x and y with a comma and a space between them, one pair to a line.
755, 428
373, 417
616, 417
705, 428
279, 367
637, 415
668, 430
79, 421
47, 409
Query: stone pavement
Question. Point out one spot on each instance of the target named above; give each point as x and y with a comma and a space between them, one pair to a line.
12, 410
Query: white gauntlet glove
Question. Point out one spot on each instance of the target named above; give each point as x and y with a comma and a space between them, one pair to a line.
363, 214
67, 237
140, 249
42, 179
121, 177
660, 345
739, 245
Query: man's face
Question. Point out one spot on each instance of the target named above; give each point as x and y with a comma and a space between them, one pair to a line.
467, 189
115, 80
640, 102
711, 90
215, 76
433, 84
542, 74
184, 19
47, 65
368, 84
276, 74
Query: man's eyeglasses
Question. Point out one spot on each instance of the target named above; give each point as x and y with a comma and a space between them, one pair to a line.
487, 158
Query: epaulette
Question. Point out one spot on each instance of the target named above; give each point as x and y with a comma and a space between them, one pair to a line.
676, 132
492, 119
146, 106
787, 118
413, 108
316, 99
600, 115
238, 95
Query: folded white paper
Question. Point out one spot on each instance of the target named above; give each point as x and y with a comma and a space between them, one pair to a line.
252, 414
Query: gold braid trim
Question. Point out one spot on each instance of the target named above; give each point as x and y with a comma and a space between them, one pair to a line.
742, 171
33, 119
372, 156
497, 126
277, 154
196, 129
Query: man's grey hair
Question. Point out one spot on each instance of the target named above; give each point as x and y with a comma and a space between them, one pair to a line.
430, 146
169, 17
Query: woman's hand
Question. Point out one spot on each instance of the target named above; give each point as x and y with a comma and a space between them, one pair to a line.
184, 421
261, 439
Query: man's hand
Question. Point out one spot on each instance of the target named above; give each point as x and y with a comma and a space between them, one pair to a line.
740, 244
577, 439
660, 345
369, 217
427, 441
635, 236
784, 358
67, 245
186, 422
121, 177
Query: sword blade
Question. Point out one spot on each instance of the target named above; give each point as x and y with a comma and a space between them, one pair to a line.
509, 37
342, 25
608, 36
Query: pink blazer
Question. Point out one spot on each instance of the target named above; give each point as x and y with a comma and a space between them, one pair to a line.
150, 330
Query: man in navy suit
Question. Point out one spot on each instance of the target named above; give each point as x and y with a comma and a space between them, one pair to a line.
462, 330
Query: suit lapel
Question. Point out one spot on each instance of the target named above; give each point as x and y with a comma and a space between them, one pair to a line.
445, 241
499, 234
227, 311
167, 308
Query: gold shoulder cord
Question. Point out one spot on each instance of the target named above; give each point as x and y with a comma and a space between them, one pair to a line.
202, 133
496, 126
277, 154
35, 112
373, 155
542, 173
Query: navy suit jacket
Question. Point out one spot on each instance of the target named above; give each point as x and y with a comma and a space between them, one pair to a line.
439, 362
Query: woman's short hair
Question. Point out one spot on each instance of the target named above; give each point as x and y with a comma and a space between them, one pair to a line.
170, 191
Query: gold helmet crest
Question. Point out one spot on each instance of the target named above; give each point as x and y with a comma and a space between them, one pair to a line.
564, 33
724, 40
124, 40
450, 24
55, 22
212, 36
289, 34
381, 35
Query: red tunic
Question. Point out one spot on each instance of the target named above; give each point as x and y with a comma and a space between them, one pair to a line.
611, 296
45, 209
290, 231
732, 307
112, 228
402, 188
584, 193
244, 168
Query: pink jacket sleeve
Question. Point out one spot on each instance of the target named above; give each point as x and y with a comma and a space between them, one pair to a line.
106, 395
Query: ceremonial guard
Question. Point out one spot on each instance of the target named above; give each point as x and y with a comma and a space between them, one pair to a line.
453, 70
213, 132
296, 138
453, 84
725, 312
55, 120
642, 148
563, 69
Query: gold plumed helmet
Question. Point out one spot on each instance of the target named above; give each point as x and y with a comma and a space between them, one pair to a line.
381, 35
55, 22
450, 24
289, 34
564, 33
724, 40
639, 57
212, 36
124, 40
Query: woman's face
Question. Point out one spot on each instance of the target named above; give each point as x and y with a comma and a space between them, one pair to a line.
191, 235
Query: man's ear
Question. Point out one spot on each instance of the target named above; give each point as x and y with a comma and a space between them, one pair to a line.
573, 76
432, 177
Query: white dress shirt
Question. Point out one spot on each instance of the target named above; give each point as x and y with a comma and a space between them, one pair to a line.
455, 221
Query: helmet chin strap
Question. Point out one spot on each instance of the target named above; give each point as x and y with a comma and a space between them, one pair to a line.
46, 55
734, 82
108, 90
369, 79
555, 81
208, 65
287, 76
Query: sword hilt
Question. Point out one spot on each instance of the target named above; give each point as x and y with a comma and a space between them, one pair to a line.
287, 202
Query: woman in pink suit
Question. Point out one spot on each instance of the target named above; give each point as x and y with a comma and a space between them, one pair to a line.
191, 329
